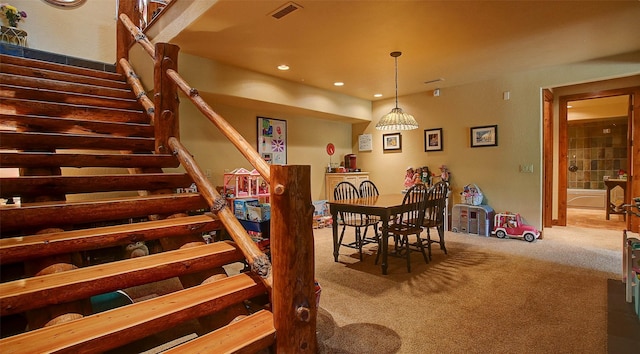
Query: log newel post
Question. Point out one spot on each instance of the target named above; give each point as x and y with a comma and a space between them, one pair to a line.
165, 98
124, 41
292, 252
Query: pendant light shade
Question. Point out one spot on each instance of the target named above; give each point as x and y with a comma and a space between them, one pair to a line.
397, 119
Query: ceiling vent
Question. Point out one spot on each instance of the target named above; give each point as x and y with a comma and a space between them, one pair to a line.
285, 10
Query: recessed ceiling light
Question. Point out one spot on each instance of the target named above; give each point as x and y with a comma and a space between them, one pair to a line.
283, 67
338, 83
377, 95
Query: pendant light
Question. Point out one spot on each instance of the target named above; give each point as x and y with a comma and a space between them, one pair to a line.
397, 119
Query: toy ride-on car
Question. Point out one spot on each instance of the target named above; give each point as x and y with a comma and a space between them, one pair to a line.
511, 225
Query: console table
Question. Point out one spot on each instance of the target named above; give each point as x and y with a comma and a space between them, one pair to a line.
613, 208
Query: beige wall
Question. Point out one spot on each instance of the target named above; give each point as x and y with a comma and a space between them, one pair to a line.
307, 138
494, 169
86, 31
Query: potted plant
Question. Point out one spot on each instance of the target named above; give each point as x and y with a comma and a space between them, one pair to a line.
12, 14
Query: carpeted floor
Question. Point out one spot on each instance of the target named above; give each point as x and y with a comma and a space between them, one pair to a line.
486, 296
561, 294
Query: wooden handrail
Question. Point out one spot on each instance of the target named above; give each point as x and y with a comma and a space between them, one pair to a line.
137, 87
258, 261
137, 34
227, 129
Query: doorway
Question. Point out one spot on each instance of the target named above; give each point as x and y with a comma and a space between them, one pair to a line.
559, 161
597, 134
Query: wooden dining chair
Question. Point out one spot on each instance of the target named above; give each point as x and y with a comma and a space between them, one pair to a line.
408, 223
434, 215
346, 190
369, 189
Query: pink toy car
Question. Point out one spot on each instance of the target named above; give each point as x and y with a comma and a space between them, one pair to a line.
511, 225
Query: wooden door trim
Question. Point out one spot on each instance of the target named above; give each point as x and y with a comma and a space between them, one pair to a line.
633, 149
547, 161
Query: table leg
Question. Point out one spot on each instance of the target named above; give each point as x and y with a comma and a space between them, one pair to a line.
334, 226
385, 243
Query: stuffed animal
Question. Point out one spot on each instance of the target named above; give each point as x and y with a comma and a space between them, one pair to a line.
136, 249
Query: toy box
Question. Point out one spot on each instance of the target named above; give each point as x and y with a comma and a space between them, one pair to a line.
260, 212
240, 207
259, 229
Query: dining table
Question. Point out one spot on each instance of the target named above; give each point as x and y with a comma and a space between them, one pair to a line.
384, 206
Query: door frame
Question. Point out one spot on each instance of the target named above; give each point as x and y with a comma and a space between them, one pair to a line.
634, 151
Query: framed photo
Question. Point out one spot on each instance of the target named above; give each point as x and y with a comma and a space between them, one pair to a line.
272, 140
364, 142
391, 142
484, 136
433, 139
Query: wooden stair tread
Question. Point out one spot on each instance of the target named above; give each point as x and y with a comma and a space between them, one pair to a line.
42, 185
57, 214
50, 159
132, 322
72, 87
58, 109
22, 248
251, 333
42, 64
29, 293
73, 125
49, 95
65, 76
48, 141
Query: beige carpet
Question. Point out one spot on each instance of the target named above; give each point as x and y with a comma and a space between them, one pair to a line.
487, 295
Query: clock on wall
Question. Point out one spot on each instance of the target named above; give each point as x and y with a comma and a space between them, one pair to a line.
65, 3
364, 142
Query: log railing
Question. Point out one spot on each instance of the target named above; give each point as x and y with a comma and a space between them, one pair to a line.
291, 281
165, 110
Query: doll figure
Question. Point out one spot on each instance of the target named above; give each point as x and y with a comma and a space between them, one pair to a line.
444, 173
417, 176
408, 178
426, 176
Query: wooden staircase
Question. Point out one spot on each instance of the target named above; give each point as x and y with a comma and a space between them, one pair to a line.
89, 184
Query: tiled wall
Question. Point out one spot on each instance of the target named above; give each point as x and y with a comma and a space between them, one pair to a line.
595, 152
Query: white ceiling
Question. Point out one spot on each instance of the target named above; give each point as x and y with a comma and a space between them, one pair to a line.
459, 41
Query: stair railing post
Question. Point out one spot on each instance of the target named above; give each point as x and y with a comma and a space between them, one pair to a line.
165, 97
292, 250
124, 41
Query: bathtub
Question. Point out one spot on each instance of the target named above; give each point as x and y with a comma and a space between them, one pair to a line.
586, 198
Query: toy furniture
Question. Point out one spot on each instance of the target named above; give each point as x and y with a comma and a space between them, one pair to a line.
631, 269
242, 183
616, 207
472, 219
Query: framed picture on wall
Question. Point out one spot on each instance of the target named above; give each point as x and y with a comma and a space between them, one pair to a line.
484, 136
433, 139
272, 140
391, 142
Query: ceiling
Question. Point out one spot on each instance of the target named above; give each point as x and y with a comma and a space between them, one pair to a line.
458, 41
598, 108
